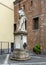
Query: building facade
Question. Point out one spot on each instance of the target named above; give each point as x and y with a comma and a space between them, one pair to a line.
6, 23
35, 11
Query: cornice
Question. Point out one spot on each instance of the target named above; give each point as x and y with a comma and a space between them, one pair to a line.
6, 6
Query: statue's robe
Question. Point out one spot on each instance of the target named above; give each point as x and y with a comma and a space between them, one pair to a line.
21, 25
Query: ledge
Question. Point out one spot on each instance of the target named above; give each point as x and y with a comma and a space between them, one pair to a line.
20, 32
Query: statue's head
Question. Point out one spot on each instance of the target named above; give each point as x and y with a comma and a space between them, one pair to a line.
21, 12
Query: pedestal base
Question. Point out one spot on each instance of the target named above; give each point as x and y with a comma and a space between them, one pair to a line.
19, 54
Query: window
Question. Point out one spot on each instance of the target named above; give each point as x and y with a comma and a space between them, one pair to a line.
25, 24
24, 7
14, 27
31, 2
19, 6
36, 23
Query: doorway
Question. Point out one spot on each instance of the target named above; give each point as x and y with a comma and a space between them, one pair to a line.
12, 47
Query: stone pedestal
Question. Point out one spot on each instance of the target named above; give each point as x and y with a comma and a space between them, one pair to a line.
20, 37
19, 52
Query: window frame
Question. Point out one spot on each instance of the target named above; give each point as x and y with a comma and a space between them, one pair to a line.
36, 23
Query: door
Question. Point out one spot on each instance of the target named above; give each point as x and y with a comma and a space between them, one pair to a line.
12, 47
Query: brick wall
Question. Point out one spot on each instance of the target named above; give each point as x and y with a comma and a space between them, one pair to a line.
37, 9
